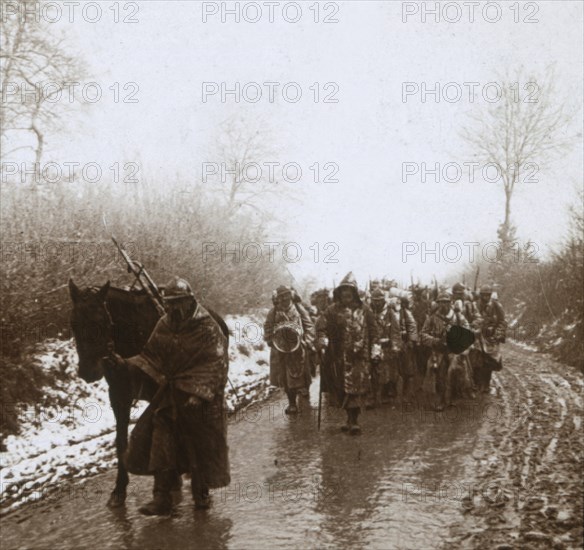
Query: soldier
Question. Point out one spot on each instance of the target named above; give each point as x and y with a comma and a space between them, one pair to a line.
385, 372
184, 428
289, 331
464, 303
311, 353
444, 364
409, 342
347, 332
493, 333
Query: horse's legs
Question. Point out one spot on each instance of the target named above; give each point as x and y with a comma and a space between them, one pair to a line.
121, 401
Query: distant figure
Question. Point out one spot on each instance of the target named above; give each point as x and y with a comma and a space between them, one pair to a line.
385, 377
348, 337
492, 335
444, 365
289, 332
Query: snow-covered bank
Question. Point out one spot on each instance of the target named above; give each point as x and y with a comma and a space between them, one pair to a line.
58, 442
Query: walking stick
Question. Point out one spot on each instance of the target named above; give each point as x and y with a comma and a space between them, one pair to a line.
321, 361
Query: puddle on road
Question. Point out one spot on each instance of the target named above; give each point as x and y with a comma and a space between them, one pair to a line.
399, 485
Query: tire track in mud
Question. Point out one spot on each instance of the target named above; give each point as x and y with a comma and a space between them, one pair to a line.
530, 461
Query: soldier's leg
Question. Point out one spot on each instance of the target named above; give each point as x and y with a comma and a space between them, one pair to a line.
373, 399
351, 405
161, 504
292, 407
467, 378
176, 487
449, 383
393, 374
355, 428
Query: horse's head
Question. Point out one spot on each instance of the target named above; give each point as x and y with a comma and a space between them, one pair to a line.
92, 328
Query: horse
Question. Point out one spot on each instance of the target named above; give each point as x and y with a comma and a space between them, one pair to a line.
102, 316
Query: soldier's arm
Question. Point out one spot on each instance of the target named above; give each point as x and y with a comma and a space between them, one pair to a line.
307, 325
411, 326
461, 320
475, 316
269, 327
501, 327
395, 331
427, 336
322, 326
208, 375
151, 357
374, 334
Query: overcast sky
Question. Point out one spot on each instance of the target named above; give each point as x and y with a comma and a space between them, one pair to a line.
369, 133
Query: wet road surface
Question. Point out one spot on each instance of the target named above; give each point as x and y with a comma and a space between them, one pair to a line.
404, 483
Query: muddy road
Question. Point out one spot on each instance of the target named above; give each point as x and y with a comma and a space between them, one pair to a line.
504, 471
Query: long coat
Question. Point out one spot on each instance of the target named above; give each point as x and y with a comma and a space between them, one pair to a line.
493, 330
290, 371
192, 361
388, 329
351, 332
433, 335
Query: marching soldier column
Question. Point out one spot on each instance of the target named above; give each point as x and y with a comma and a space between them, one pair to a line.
370, 351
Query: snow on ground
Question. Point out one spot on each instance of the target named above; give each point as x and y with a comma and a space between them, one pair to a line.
76, 440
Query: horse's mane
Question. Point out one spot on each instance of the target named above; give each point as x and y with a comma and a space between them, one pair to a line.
126, 294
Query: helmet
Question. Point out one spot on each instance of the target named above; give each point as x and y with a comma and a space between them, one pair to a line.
486, 289
177, 289
378, 295
283, 290
443, 297
348, 281
458, 287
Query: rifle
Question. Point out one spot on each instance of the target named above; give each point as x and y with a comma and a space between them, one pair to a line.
476, 281
436, 290
476, 284
321, 354
149, 286
143, 278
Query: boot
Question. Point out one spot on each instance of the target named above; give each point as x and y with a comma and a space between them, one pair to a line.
199, 490
291, 408
161, 504
201, 496
355, 428
347, 426
176, 488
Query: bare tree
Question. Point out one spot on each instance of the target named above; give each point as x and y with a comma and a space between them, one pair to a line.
36, 73
520, 133
248, 176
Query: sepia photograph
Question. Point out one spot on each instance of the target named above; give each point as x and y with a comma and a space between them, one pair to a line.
291, 275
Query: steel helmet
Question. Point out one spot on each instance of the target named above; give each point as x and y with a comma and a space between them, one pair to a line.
177, 289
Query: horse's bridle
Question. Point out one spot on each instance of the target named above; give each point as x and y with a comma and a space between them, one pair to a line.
110, 329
